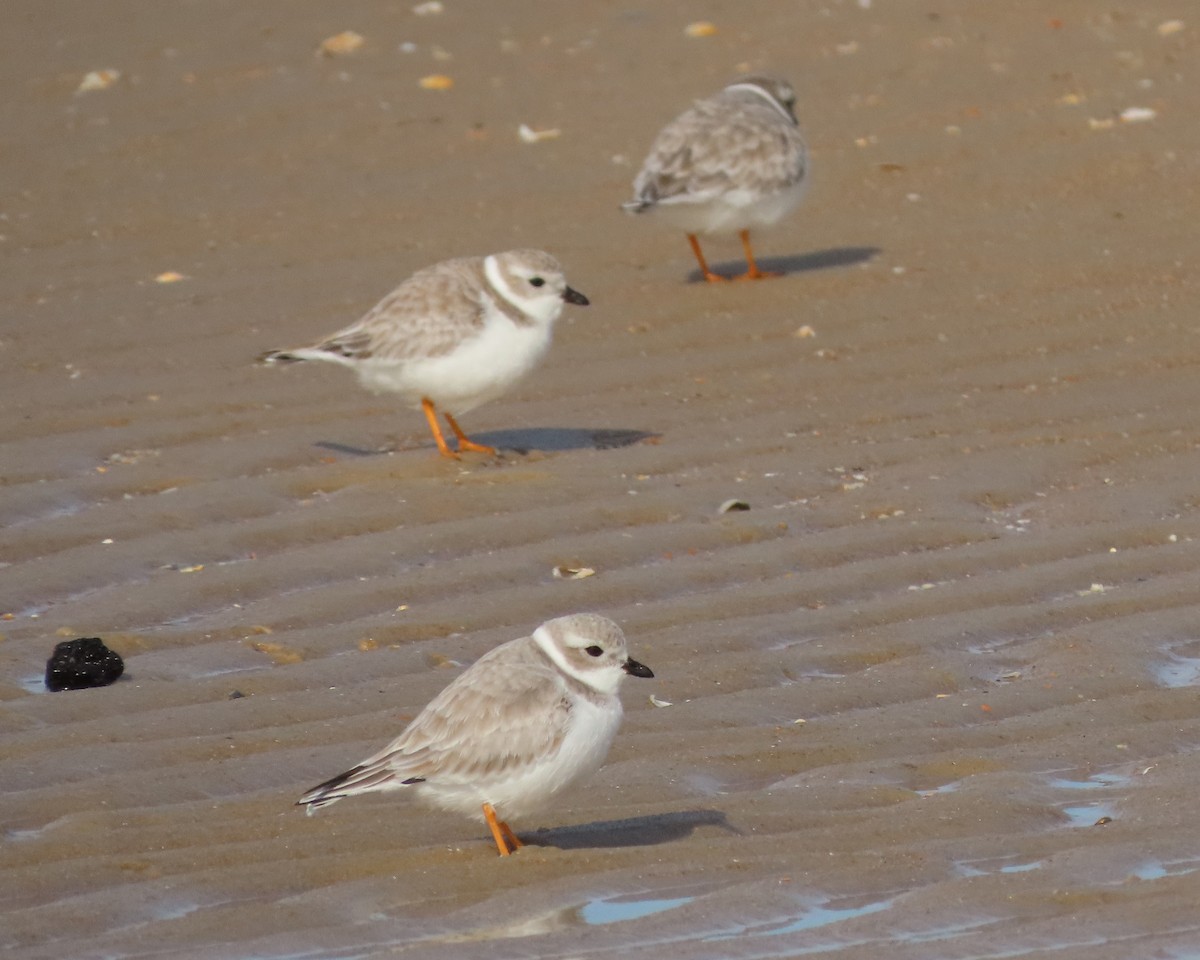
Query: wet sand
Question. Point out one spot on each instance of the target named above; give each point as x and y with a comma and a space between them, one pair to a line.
933, 695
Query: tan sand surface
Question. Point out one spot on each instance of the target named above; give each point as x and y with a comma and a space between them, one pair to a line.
934, 695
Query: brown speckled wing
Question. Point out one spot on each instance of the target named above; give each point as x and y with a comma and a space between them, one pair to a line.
428, 315
719, 145
508, 711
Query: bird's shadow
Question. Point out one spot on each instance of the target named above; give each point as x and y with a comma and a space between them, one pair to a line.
558, 439
522, 441
632, 832
796, 263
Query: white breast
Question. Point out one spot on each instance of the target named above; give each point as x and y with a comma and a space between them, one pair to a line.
478, 370
583, 750
582, 753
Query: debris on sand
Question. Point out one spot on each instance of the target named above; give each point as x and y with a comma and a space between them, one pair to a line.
98, 80
527, 134
436, 81
566, 572
340, 44
82, 663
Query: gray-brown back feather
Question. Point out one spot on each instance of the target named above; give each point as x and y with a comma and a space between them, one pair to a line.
732, 140
508, 711
428, 315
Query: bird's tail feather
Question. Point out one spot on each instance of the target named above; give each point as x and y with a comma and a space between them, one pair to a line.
278, 356
358, 779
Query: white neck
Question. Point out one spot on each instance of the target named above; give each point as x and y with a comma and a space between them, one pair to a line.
759, 91
498, 282
602, 681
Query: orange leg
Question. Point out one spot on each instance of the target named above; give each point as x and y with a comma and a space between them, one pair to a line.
463, 442
510, 836
708, 274
752, 271
501, 832
431, 416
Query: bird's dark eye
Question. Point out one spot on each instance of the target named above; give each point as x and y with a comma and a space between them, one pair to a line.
594, 651
538, 282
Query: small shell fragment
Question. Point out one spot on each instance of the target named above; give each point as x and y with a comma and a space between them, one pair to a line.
428, 9
340, 44
281, 655
436, 81
657, 702
804, 332
733, 504
171, 276
529, 135
563, 572
98, 80
1168, 27
701, 28
1138, 114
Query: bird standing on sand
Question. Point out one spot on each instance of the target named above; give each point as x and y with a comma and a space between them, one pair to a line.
453, 336
727, 164
520, 724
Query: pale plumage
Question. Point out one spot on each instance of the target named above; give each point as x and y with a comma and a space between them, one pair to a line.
522, 723
454, 335
727, 164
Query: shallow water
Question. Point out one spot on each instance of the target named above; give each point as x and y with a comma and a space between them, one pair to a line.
1178, 671
615, 911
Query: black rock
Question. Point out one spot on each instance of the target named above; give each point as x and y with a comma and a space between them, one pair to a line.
79, 664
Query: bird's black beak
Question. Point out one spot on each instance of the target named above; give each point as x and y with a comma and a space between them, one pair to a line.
636, 669
574, 296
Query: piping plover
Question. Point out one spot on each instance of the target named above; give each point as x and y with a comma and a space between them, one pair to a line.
728, 163
520, 724
453, 335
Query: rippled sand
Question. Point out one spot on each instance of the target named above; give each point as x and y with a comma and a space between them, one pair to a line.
933, 695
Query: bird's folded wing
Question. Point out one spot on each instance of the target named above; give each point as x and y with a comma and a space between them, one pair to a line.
498, 724
428, 315
702, 155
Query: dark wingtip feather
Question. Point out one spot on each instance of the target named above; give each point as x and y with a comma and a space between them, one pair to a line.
330, 791
325, 793
276, 356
